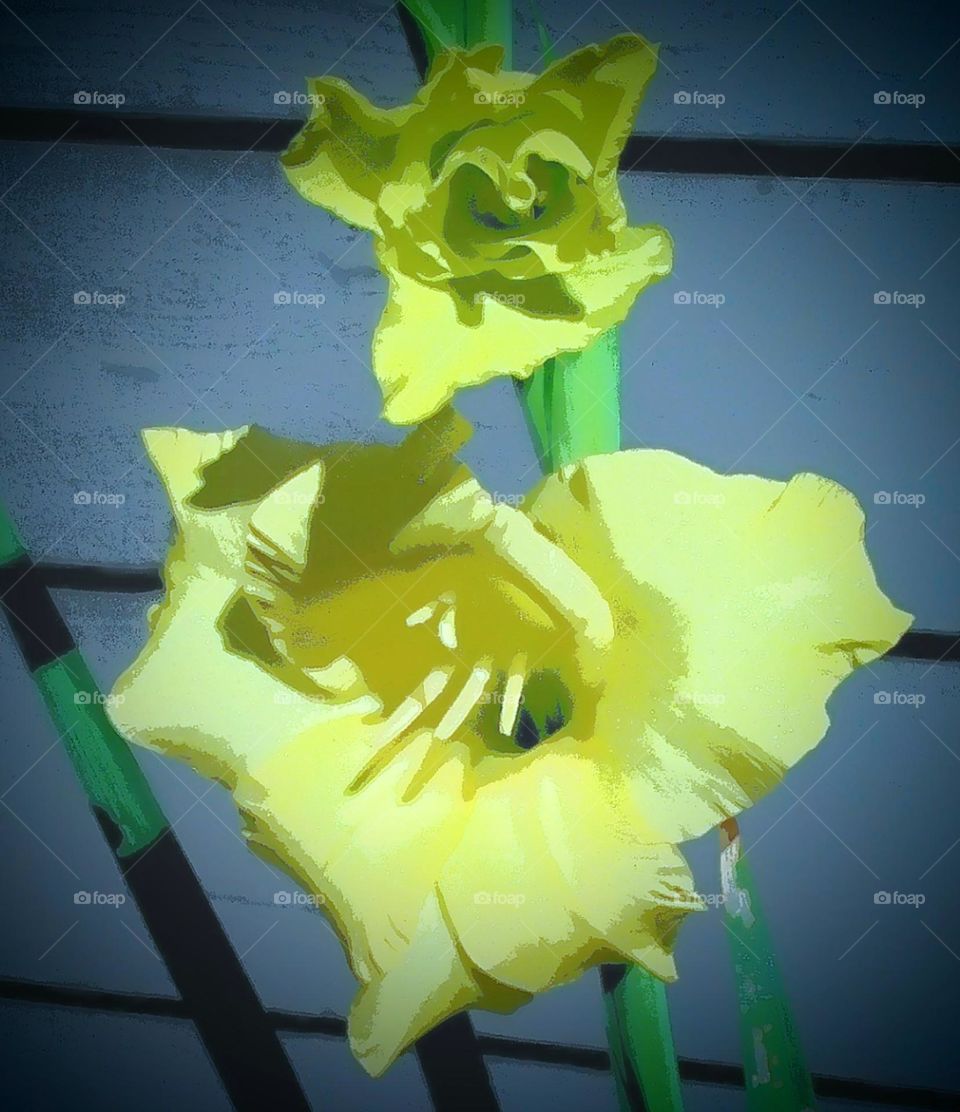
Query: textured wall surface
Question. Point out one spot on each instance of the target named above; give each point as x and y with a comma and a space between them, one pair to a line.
799, 368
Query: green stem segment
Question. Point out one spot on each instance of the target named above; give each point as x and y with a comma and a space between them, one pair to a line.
777, 1079
103, 762
642, 1054
465, 23
101, 758
572, 404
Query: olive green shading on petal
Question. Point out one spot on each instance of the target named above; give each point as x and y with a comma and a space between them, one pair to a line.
342, 157
598, 90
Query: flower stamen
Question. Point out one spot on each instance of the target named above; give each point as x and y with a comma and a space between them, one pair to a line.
424, 614
397, 726
447, 629
512, 694
467, 698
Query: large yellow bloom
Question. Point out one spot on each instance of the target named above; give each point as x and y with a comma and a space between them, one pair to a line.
495, 204
474, 731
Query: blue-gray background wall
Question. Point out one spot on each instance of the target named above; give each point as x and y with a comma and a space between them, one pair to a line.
798, 369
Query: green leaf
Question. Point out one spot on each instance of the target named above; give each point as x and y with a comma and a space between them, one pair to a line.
777, 1078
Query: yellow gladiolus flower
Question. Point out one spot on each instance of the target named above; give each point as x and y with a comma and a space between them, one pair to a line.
474, 731
497, 215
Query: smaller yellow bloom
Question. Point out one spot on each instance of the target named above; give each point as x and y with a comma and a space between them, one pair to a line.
495, 205
474, 732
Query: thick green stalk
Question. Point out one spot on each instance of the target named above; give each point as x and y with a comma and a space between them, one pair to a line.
776, 1074
464, 23
489, 21
440, 23
101, 758
103, 762
642, 1054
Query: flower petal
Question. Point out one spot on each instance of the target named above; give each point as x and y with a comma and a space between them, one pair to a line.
430, 984
607, 284
205, 642
345, 152
596, 92
423, 353
741, 604
557, 870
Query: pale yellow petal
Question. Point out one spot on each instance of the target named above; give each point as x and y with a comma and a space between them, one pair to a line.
423, 353
564, 872
182, 696
741, 602
434, 981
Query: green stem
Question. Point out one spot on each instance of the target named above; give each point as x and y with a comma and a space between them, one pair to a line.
465, 23
777, 1079
489, 21
642, 1054
101, 758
